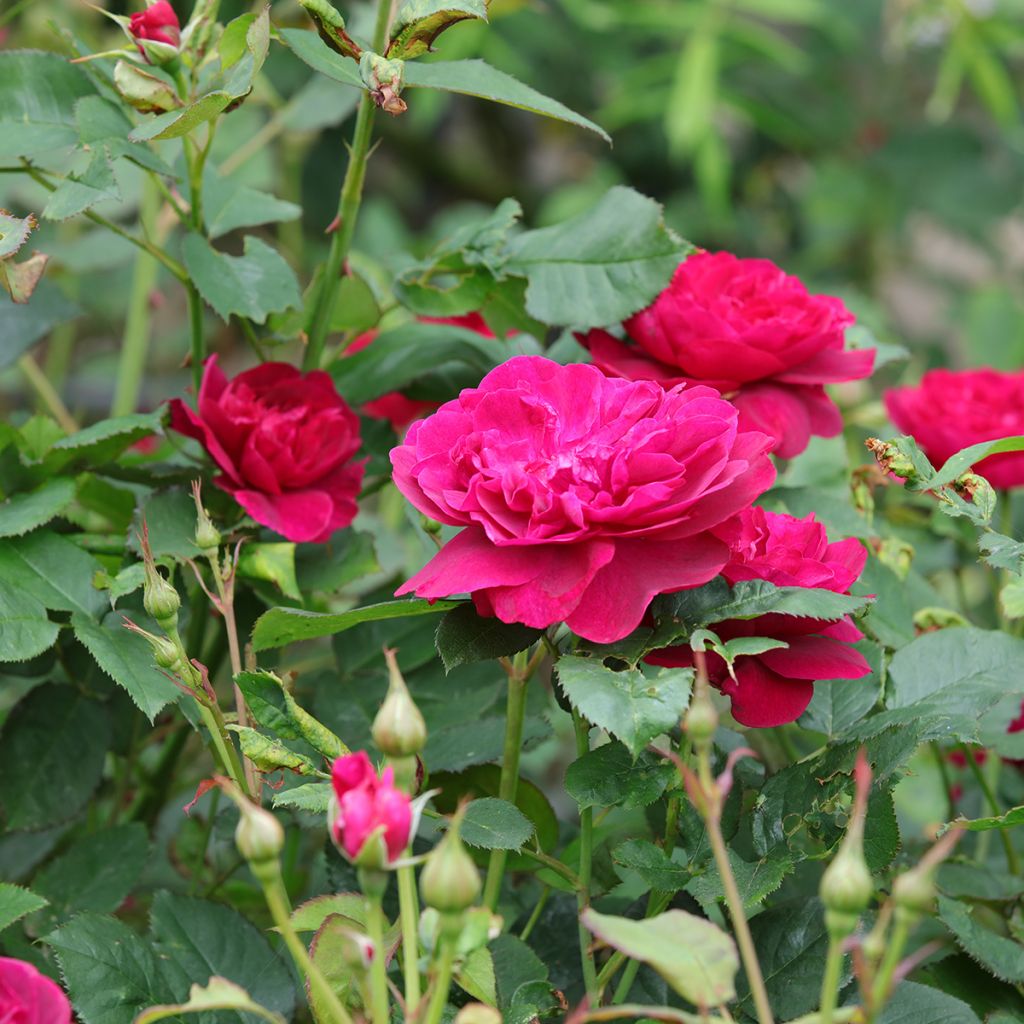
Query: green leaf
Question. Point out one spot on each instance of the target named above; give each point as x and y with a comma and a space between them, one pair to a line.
175, 123
601, 266
101, 442
418, 23
349, 556
53, 571
331, 28
16, 902
475, 975
95, 873
313, 797
281, 626
219, 994
912, 1003
1001, 955
328, 952
228, 205
978, 882
201, 939
55, 733
837, 706
693, 955
102, 124
273, 562
111, 973
23, 324
1009, 819
270, 755
310, 916
755, 881
253, 285
493, 824
24, 512
957, 465
38, 92
656, 869
478, 78
14, 232
25, 630
610, 776
463, 636
629, 705
311, 50
170, 517
128, 659
79, 192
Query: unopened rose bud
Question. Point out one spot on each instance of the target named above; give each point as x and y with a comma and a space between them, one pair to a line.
357, 951
891, 459
384, 78
207, 535
450, 881
701, 720
977, 490
398, 730
157, 32
478, 1013
914, 892
259, 835
165, 652
159, 597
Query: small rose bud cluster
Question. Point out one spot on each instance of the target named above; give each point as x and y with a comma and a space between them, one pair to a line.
371, 820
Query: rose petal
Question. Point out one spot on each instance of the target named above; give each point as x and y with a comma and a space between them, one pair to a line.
762, 699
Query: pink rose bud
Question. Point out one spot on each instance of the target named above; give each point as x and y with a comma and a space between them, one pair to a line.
157, 32
372, 819
750, 330
284, 442
28, 997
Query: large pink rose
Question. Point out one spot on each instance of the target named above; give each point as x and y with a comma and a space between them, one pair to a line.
28, 997
953, 409
750, 330
775, 687
283, 441
582, 496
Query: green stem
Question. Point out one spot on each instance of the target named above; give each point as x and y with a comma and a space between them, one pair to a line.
947, 782
831, 980
277, 900
198, 343
514, 716
442, 982
349, 201
582, 729
135, 344
222, 745
890, 961
378, 969
408, 902
993, 803
205, 841
47, 393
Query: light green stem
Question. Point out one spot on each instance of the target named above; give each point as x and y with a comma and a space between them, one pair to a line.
135, 345
442, 982
831, 980
993, 804
348, 209
277, 900
582, 729
514, 716
225, 749
890, 961
378, 968
408, 902
47, 393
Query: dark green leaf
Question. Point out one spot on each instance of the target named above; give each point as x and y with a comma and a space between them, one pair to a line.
1001, 955
652, 864
478, 78
228, 205
52, 570
270, 755
253, 285
25, 630
1010, 818
23, 324
128, 659
58, 735
175, 123
463, 635
755, 881
957, 465
16, 902
920, 1004
349, 555
839, 704
79, 192
273, 562
102, 441
609, 776
313, 797
493, 824
281, 626
170, 517
312, 50
629, 705
24, 512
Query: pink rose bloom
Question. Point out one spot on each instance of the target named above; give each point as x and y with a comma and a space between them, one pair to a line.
750, 330
953, 409
369, 805
775, 687
582, 496
284, 441
28, 997
395, 407
157, 23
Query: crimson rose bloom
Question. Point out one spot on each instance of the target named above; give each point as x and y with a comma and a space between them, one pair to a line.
395, 407
775, 687
582, 496
750, 330
283, 441
368, 805
28, 997
953, 409
157, 22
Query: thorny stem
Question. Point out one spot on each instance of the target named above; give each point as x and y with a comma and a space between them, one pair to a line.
515, 714
348, 209
582, 728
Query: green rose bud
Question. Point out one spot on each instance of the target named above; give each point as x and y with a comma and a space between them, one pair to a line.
207, 535
398, 730
450, 882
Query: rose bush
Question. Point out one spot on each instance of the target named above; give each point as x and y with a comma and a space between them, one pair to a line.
952, 409
28, 997
750, 330
776, 686
284, 443
581, 496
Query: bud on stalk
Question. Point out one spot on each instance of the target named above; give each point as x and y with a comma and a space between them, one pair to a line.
450, 882
207, 535
399, 729
159, 598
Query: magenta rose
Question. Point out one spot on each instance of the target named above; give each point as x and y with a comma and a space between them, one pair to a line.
369, 809
775, 687
953, 409
28, 997
581, 496
157, 32
284, 441
750, 330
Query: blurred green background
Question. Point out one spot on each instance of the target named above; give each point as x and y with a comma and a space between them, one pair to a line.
872, 146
